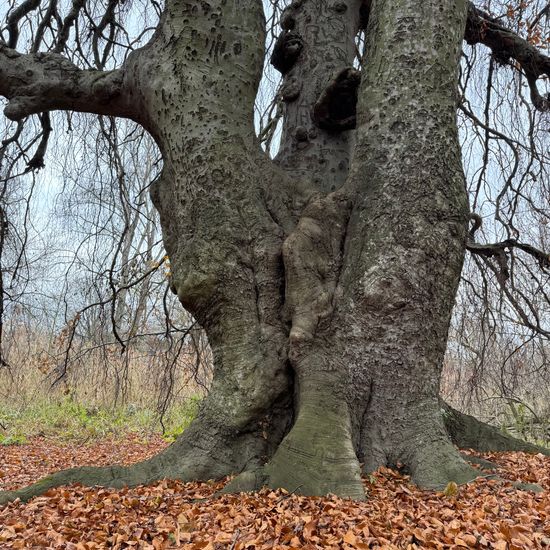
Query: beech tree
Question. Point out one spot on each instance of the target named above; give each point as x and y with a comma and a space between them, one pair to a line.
325, 278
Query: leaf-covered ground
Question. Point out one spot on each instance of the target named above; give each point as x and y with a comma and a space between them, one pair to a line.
484, 514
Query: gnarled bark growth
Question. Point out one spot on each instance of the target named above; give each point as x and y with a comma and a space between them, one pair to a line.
326, 293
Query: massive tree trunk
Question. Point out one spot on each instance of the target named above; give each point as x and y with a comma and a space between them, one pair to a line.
378, 255
325, 280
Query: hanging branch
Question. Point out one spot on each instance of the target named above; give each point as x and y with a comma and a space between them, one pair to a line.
506, 46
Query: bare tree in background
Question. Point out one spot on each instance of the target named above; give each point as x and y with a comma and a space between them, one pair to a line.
498, 357
325, 279
86, 275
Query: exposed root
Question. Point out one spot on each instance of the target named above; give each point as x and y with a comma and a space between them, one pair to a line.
317, 456
485, 464
447, 465
247, 482
426, 450
182, 461
467, 432
110, 476
308, 473
531, 487
204, 451
434, 465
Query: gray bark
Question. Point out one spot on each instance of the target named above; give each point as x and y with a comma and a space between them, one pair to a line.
322, 33
368, 372
223, 227
327, 313
47, 81
468, 432
409, 268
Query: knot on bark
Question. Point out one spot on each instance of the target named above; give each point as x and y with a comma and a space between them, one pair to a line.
286, 51
477, 222
336, 108
291, 89
387, 287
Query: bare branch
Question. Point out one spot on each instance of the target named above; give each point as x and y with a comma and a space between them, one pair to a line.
37, 160
498, 251
34, 83
506, 45
14, 18
68, 22
544, 12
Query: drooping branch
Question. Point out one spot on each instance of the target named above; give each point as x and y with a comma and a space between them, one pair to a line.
34, 83
506, 45
37, 160
544, 12
498, 249
16, 15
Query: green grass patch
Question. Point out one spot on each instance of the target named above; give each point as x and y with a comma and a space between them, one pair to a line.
15, 439
68, 419
180, 417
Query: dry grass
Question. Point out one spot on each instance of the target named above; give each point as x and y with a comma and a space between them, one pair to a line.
95, 388
98, 390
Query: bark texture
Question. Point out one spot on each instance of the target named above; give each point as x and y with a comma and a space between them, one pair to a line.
41, 82
325, 291
315, 53
367, 262
223, 226
409, 268
468, 432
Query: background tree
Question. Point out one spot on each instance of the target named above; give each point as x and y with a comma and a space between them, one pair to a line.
324, 279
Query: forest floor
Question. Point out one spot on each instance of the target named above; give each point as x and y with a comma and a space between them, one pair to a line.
166, 515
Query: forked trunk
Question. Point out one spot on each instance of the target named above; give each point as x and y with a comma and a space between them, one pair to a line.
361, 268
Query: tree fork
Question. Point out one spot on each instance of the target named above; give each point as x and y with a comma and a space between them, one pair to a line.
354, 322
